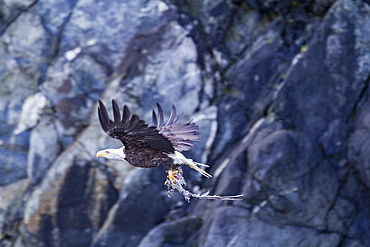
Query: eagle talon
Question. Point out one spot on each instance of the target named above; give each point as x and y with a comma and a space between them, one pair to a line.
172, 176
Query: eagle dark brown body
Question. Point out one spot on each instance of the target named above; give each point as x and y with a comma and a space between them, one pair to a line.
149, 159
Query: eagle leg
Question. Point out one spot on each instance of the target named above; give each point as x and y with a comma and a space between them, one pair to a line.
172, 175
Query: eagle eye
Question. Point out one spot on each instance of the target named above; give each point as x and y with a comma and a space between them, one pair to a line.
107, 152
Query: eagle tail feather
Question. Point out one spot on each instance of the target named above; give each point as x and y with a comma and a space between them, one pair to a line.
195, 167
179, 158
200, 164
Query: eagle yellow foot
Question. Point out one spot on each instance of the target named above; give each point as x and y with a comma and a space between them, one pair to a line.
172, 176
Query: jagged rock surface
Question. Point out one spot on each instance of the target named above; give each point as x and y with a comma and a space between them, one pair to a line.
278, 88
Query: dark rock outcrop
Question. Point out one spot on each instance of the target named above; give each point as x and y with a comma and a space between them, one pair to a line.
278, 88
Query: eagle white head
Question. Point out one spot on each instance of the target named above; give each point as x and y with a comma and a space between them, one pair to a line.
112, 153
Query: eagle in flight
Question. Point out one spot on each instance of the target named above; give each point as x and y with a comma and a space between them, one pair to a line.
159, 145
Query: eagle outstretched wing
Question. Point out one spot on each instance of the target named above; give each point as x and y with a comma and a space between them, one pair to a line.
181, 136
133, 132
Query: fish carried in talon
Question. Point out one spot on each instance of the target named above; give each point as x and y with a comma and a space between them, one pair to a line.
159, 145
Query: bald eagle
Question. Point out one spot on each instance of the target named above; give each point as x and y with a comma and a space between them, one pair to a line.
159, 145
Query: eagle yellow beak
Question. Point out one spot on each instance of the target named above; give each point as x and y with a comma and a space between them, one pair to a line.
101, 154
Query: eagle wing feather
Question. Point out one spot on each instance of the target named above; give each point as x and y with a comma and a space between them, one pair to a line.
133, 132
180, 135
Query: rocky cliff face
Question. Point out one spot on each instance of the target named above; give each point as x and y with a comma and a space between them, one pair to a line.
278, 88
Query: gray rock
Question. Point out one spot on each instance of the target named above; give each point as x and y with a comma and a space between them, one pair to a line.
70, 204
234, 227
175, 233
9, 11
332, 139
11, 200
142, 204
43, 151
338, 66
13, 158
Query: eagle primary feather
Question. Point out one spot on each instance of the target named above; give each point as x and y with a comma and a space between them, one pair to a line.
180, 135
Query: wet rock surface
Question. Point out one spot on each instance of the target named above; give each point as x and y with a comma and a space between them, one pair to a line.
278, 88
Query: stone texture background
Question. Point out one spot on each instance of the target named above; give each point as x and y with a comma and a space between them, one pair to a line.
278, 88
